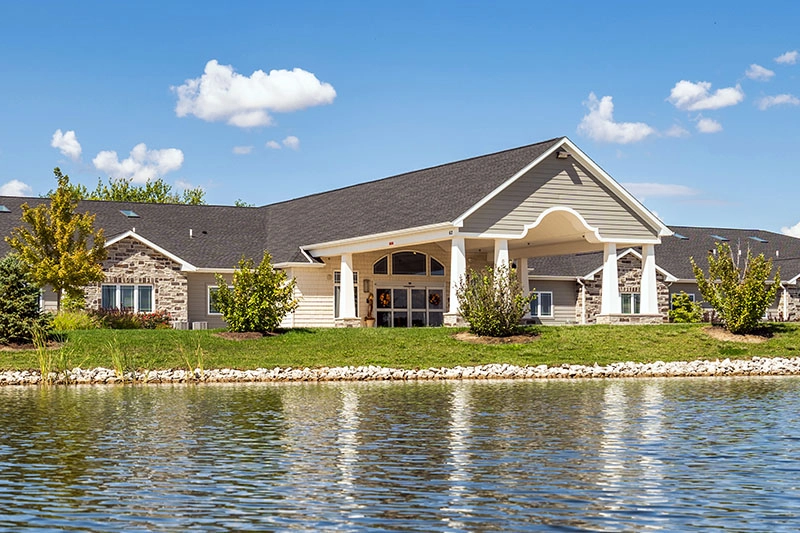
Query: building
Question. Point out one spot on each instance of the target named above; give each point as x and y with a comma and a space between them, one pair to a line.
406, 240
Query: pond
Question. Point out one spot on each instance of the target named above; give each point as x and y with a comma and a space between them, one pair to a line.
651, 454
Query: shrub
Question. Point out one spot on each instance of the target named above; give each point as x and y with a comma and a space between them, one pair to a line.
684, 310
20, 316
73, 301
740, 296
259, 299
117, 319
155, 320
72, 320
492, 301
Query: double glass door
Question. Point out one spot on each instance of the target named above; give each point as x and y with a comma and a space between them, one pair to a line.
404, 307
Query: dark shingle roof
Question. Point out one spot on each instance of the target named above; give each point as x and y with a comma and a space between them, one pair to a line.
674, 252
223, 234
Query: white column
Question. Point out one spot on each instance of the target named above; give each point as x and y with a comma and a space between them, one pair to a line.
610, 304
522, 274
347, 305
649, 287
500, 252
458, 267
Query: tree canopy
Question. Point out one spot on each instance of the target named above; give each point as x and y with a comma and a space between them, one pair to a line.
19, 303
739, 295
58, 246
155, 191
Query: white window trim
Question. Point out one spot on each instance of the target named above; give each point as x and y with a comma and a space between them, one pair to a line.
208, 299
428, 272
633, 306
537, 303
118, 290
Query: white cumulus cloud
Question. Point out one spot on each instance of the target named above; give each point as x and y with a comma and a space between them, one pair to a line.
221, 94
275, 145
242, 150
779, 99
759, 73
652, 190
599, 123
142, 165
708, 125
15, 188
698, 97
67, 143
788, 58
793, 231
291, 142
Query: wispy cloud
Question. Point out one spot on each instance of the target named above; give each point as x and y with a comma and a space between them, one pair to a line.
708, 125
676, 130
142, 164
691, 96
15, 188
779, 99
274, 145
67, 143
242, 150
788, 58
759, 73
599, 124
221, 94
653, 190
291, 142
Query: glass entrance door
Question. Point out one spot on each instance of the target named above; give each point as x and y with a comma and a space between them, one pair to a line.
404, 307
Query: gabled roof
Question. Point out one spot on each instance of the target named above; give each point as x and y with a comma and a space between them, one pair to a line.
672, 255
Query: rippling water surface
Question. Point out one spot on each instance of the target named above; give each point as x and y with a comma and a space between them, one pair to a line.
672, 455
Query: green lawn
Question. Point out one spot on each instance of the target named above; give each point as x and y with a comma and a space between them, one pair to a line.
402, 348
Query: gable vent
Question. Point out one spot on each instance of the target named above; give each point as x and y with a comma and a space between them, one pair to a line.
4, 209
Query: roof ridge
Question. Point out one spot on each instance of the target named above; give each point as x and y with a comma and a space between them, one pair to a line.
404, 174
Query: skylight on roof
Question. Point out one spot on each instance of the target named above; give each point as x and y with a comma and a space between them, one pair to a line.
4, 209
758, 239
720, 238
128, 213
681, 237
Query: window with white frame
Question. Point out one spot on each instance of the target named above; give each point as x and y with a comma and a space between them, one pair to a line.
337, 288
212, 308
630, 303
542, 305
408, 264
136, 298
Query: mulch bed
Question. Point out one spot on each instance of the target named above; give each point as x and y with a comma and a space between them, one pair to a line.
524, 338
722, 334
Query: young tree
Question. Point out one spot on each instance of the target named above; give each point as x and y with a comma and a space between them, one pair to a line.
155, 191
684, 310
58, 246
492, 301
19, 303
259, 299
740, 296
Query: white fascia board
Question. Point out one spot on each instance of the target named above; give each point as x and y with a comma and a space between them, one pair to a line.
667, 276
551, 278
185, 265
290, 264
611, 183
460, 220
381, 241
207, 270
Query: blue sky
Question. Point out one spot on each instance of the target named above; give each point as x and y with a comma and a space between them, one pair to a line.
694, 107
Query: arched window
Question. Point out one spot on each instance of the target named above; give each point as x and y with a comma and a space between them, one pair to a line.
408, 264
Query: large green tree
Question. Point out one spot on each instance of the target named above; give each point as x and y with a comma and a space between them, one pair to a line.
739, 294
155, 191
19, 303
258, 300
58, 246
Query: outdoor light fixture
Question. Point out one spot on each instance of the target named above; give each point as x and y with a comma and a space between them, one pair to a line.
562, 154
367, 285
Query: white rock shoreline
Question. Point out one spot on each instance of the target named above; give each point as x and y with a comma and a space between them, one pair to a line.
757, 366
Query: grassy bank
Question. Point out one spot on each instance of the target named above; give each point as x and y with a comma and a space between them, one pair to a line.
400, 348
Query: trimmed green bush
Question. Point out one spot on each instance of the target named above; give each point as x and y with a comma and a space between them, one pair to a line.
19, 304
492, 301
684, 310
74, 320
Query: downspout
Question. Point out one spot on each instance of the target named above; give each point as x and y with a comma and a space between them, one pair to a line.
583, 301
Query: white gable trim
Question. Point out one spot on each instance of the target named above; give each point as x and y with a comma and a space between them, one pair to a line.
379, 241
667, 276
185, 265
598, 172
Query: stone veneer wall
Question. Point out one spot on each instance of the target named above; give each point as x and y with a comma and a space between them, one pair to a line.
131, 262
793, 305
630, 276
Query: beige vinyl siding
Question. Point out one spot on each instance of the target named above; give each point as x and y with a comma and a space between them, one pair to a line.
557, 183
565, 294
314, 290
198, 299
